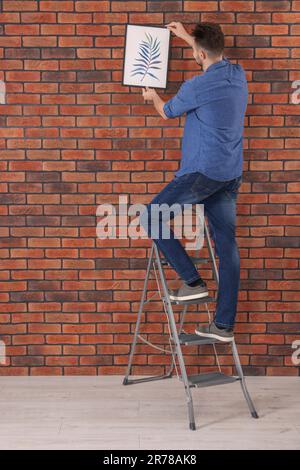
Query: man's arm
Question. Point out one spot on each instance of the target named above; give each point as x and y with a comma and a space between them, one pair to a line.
151, 94
185, 100
179, 30
159, 105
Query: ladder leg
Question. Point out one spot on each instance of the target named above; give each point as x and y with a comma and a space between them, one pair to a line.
242, 381
216, 276
234, 348
182, 318
126, 380
172, 365
177, 343
211, 254
137, 326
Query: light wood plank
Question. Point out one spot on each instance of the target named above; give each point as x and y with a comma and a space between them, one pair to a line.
101, 413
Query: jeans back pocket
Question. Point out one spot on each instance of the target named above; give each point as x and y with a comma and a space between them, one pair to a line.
232, 189
234, 185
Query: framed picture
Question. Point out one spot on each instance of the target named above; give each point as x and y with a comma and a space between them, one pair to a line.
147, 50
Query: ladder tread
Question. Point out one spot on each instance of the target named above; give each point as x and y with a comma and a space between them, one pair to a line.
202, 300
195, 259
189, 338
198, 259
210, 378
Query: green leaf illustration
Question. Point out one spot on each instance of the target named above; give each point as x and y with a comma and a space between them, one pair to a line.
147, 60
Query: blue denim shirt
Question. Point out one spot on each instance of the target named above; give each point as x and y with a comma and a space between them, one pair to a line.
215, 104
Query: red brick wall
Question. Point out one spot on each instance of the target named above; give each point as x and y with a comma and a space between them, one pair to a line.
73, 137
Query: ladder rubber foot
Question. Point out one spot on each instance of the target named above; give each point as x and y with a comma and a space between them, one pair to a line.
193, 426
125, 381
254, 415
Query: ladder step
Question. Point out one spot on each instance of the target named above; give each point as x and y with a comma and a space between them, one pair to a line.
186, 338
202, 300
209, 379
198, 260
195, 259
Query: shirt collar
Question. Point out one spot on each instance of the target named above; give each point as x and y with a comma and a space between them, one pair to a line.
216, 65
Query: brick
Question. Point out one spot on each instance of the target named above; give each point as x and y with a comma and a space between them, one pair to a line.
45, 371
58, 76
28, 361
28, 339
101, 30
66, 5
92, 5
38, 17
237, 29
286, 18
254, 18
93, 76
217, 18
77, 18
24, 53
28, 30
39, 41
237, 5
61, 361
258, 41
165, 6
19, 5
268, 339
284, 328
62, 339
287, 41
80, 370
200, 5
10, 371
129, 6
55, 29
72, 41
269, 75
58, 53
83, 64
11, 220
278, 5
271, 29
23, 76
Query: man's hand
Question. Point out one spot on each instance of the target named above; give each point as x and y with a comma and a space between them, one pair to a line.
149, 93
179, 30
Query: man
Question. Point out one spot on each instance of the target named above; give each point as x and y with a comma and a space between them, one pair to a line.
210, 169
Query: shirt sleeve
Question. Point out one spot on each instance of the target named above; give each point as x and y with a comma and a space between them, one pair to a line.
183, 101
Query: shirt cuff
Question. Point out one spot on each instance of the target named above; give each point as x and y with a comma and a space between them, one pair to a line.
167, 110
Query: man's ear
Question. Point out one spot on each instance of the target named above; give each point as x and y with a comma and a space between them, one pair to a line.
202, 54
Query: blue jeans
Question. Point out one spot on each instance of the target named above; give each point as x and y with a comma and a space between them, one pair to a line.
219, 200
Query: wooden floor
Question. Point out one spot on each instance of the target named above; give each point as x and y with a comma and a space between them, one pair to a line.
102, 413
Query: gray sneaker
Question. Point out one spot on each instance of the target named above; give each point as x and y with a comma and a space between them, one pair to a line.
212, 331
186, 292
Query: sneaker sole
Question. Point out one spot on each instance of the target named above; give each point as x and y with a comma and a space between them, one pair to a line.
189, 297
215, 336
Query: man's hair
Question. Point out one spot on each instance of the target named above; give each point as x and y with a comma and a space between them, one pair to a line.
210, 37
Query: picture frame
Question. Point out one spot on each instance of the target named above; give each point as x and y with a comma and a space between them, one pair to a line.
146, 56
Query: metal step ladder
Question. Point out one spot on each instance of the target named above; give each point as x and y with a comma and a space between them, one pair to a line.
179, 337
